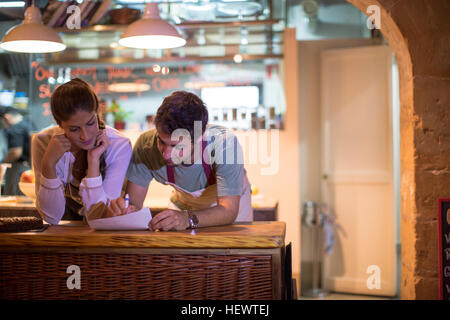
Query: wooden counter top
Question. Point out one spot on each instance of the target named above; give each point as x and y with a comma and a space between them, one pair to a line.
77, 234
21, 206
17, 203
24, 203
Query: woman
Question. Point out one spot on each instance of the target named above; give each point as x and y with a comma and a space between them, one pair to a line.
80, 162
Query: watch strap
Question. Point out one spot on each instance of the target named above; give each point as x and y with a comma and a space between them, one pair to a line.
193, 219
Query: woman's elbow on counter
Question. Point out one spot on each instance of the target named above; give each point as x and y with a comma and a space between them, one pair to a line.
48, 218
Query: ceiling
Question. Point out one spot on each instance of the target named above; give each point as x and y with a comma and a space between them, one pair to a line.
214, 29
177, 10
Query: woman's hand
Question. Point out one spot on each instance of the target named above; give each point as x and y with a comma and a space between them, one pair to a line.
56, 148
93, 156
101, 144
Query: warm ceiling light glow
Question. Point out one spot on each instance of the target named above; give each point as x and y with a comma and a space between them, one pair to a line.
156, 68
151, 32
128, 87
32, 36
165, 70
12, 4
237, 58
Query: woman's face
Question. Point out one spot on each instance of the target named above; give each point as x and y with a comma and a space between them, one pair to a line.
81, 129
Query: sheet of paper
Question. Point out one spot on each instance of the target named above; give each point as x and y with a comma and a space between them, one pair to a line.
137, 220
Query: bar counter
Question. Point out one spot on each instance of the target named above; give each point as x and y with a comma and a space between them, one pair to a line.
21, 206
239, 261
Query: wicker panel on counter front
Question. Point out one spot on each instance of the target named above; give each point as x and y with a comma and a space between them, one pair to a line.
43, 275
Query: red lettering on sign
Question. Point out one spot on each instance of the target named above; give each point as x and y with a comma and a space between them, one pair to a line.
100, 87
86, 72
165, 84
40, 74
124, 73
156, 84
46, 107
153, 70
44, 91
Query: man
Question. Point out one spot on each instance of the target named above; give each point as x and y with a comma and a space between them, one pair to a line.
18, 138
203, 163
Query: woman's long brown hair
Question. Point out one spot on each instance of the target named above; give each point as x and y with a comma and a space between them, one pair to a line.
66, 101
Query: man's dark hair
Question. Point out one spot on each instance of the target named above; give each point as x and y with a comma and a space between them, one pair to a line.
179, 111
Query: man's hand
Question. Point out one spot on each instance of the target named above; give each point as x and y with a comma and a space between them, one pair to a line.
117, 208
169, 220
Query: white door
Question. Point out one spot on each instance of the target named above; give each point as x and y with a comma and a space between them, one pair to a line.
357, 165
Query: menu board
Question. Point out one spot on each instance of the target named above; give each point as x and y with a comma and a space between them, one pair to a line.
444, 249
140, 88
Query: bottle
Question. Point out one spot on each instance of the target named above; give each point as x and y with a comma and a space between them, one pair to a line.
21, 101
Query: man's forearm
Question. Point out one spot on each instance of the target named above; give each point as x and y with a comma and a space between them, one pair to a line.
137, 194
215, 216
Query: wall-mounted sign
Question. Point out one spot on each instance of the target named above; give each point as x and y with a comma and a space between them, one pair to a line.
444, 249
140, 88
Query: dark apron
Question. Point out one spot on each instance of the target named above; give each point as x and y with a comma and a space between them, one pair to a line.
74, 204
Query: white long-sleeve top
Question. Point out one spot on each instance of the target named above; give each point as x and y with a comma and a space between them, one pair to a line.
50, 199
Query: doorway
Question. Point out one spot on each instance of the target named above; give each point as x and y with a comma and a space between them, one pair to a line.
358, 169
311, 170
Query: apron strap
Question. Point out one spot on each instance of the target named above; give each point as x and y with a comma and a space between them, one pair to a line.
170, 174
206, 168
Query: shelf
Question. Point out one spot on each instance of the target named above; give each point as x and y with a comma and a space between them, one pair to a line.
184, 25
123, 60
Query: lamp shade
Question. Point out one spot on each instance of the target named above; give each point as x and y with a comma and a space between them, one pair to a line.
32, 36
151, 32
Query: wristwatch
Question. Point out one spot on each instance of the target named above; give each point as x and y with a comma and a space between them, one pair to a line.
193, 219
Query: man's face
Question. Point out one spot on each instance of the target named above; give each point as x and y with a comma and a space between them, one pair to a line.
8, 119
174, 152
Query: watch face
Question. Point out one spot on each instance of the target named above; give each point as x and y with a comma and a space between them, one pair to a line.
193, 221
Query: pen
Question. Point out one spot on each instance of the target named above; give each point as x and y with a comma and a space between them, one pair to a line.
127, 200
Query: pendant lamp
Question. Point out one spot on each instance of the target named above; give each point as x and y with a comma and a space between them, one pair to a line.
151, 32
32, 36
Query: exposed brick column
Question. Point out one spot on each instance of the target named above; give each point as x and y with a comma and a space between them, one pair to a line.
418, 31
